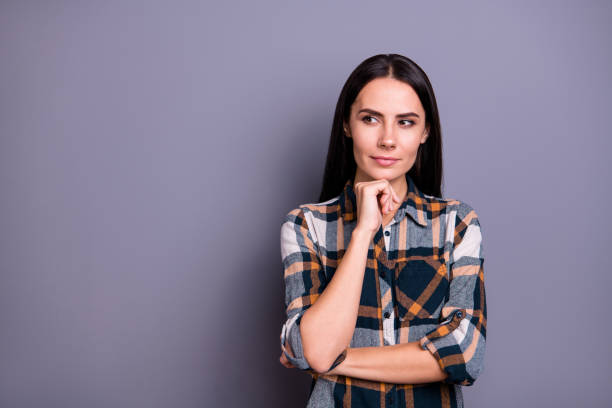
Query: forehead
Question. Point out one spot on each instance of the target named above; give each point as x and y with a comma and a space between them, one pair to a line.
388, 96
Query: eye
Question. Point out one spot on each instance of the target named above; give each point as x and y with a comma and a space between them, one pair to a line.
409, 122
366, 118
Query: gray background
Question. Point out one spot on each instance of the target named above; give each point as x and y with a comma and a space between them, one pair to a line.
149, 151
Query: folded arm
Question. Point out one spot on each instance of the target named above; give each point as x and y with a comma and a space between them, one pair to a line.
453, 351
321, 314
405, 363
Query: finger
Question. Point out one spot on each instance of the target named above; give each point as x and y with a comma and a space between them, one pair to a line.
392, 194
384, 196
383, 191
383, 201
386, 205
285, 362
381, 186
392, 197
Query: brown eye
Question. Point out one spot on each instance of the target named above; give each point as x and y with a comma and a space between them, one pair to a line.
409, 122
365, 119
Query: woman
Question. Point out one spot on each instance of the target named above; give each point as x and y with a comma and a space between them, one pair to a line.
384, 284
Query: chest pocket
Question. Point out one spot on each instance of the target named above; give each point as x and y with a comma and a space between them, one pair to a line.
421, 285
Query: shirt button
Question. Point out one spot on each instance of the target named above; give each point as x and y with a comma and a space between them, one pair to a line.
387, 315
459, 314
387, 233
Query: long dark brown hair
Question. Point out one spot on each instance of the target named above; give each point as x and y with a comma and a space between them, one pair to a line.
340, 164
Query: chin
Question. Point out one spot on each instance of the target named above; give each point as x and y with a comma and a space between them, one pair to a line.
385, 174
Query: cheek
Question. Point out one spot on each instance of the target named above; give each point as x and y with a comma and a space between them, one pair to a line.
410, 153
359, 149
410, 149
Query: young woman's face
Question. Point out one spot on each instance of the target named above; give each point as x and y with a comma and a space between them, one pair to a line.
386, 120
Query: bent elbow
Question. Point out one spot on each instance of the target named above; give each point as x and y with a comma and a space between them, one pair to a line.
318, 366
323, 362
322, 365
321, 352
316, 361
311, 347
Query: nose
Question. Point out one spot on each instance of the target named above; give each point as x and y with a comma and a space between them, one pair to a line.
387, 139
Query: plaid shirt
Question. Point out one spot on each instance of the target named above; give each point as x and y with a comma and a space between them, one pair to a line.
423, 282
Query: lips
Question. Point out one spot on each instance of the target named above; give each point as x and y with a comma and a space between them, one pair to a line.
385, 161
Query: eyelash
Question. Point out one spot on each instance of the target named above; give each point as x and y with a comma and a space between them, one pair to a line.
403, 120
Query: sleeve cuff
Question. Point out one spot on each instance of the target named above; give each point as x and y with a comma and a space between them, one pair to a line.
443, 345
291, 343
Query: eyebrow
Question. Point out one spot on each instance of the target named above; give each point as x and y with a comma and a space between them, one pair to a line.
401, 115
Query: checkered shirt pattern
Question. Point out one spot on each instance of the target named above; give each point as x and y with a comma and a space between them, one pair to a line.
423, 282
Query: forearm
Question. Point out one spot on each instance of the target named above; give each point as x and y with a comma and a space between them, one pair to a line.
405, 363
328, 325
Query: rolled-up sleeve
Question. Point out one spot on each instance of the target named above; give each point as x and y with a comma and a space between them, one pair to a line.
304, 279
458, 342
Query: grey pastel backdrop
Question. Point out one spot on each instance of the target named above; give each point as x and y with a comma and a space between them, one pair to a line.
150, 149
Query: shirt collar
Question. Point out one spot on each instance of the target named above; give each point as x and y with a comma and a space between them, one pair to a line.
413, 204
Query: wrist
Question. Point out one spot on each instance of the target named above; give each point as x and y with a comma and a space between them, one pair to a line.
362, 233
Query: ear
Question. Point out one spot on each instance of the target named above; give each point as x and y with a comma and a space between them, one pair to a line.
425, 135
345, 127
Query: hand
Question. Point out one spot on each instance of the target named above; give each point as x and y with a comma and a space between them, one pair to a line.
284, 361
374, 200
